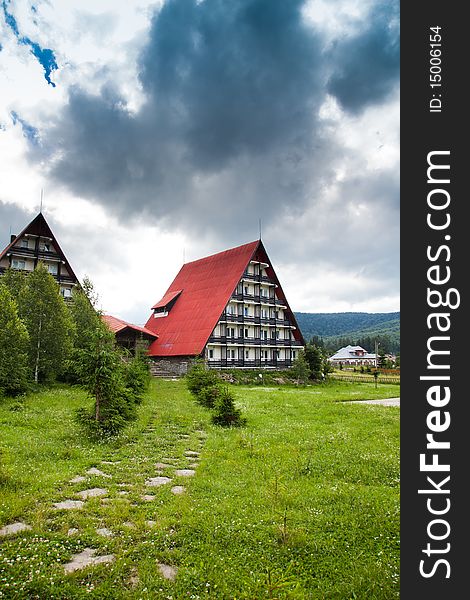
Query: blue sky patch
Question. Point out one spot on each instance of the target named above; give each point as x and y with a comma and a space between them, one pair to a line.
45, 56
29, 132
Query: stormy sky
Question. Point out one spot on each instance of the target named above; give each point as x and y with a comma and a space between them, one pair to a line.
164, 131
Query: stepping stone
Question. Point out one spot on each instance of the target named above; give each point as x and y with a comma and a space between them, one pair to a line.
151, 523
94, 471
128, 485
14, 528
167, 571
72, 531
148, 497
92, 493
191, 453
68, 504
162, 465
122, 493
178, 490
105, 500
110, 462
156, 481
85, 559
105, 532
185, 472
129, 524
78, 479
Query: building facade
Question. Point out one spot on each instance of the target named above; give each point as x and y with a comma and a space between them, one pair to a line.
228, 308
36, 243
353, 355
132, 337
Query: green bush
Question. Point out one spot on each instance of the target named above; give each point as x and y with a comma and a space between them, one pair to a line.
208, 396
199, 377
102, 373
225, 412
136, 377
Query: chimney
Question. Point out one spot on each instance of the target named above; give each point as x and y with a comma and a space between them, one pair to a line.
12, 238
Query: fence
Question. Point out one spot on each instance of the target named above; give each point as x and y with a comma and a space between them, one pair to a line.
363, 378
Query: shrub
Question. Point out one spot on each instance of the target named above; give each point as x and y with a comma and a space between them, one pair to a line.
208, 395
102, 373
200, 377
136, 377
300, 369
225, 412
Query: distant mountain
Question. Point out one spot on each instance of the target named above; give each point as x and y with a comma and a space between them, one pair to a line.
352, 327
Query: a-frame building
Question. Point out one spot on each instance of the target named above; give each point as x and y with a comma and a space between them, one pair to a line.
36, 243
228, 308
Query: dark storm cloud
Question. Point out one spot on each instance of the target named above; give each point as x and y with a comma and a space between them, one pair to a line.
230, 122
12, 221
367, 65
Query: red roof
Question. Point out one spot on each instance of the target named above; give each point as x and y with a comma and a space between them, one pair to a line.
117, 325
167, 298
204, 288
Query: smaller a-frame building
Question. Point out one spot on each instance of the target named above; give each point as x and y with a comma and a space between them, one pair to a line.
36, 243
230, 309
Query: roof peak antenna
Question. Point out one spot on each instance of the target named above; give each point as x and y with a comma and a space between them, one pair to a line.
40, 206
259, 229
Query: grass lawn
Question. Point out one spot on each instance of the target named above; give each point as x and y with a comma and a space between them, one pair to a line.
301, 503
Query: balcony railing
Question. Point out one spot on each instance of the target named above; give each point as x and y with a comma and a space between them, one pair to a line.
258, 299
32, 253
258, 278
252, 341
250, 363
254, 319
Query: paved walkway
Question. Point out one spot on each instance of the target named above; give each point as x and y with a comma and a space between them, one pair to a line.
384, 402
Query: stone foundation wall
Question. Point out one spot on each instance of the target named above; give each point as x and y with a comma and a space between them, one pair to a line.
171, 366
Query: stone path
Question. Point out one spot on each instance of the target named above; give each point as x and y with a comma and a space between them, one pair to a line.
89, 556
384, 402
85, 559
14, 528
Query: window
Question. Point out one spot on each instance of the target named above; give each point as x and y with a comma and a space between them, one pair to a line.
18, 264
66, 292
273, 334
24, 243
246, 332
232, 353
211, 353
240, 332
246, 289
52, 268
247, 354
45, 247
245, 311
293, 353
230, 309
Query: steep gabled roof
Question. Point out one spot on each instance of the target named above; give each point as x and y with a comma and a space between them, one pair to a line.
40, 227
116, 325
202, 289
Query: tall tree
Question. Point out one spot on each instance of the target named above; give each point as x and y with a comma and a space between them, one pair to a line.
15, 281
87, 323
13, 347
49, 325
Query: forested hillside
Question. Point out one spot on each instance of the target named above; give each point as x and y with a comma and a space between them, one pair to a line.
339, 329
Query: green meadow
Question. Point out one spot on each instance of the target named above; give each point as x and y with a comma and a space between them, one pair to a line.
302, 503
